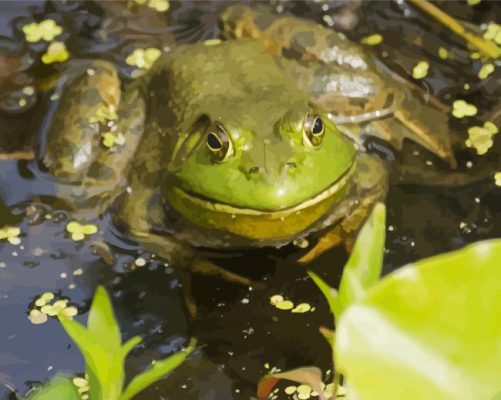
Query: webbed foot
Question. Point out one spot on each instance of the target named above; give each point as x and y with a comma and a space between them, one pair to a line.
328, 241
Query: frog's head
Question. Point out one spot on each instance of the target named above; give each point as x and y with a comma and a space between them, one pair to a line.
255, 159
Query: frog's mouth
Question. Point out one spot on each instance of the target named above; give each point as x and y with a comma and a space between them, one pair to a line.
258, 224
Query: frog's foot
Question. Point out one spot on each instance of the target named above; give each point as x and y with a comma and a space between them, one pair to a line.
347, 230
189, 300
428, 127
328, 241
206, 267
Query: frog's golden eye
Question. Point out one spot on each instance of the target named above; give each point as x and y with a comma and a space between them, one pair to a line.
313, 130
219, 143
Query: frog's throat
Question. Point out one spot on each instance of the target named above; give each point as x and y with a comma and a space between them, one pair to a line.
256, 224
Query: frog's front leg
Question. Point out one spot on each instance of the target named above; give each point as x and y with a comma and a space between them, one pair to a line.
187, 262
91, 131
371, 183
184, 256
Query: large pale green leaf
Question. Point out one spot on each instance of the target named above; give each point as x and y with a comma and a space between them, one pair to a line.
431, 330
59, 387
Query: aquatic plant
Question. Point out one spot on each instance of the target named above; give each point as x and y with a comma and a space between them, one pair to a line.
101, 346
427, 330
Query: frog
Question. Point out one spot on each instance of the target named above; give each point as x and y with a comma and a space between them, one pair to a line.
256, 139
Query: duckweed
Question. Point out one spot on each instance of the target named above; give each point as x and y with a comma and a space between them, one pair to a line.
158, 5
56, 52
82, 386
111, 139
281, 303
497, 179
420, 70
45, 30
46, 305
212, 42
303, 392
44, 299
11, 234
143, 58
285, 305
486, 70
37, 317
301, 308
443, 53
78, 231
461, 108
480, 137
104, 114
493, 33
373, 39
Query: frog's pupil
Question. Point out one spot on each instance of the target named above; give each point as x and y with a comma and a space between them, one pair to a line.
318, 126
214, 142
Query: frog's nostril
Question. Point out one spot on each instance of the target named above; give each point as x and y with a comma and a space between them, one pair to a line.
254, 170
291, 164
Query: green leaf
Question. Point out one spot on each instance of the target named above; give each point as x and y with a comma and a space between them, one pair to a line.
102, 322
59, 387
329, 293
100, 345
155, 373
364, 265
129, 345
93, 354
431, 329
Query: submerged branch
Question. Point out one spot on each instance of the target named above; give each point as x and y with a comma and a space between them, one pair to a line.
484, 46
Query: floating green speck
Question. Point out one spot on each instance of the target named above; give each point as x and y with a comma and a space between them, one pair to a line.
420, 70
373, 39
480, 137
443, 53
56, 52
486, 70
461, 108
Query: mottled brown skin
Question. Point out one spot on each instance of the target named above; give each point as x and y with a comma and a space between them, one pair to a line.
345, 80
291, 68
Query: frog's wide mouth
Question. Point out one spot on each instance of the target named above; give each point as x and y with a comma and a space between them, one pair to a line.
214, 206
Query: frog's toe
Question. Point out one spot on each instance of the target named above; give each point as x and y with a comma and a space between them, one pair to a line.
189, 300
328, 241
206, 267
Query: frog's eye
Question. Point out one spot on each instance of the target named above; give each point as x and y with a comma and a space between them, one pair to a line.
313, 130
219, 144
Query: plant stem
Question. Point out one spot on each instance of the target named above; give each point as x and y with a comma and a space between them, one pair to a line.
335, 384
487, 48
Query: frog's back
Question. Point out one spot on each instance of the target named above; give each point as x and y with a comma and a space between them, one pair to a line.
220, 81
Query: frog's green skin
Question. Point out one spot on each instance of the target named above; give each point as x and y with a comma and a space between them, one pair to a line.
275, 186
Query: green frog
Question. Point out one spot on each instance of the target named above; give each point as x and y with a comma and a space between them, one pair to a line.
253, 140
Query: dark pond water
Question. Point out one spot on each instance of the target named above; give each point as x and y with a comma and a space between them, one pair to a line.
239, 332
